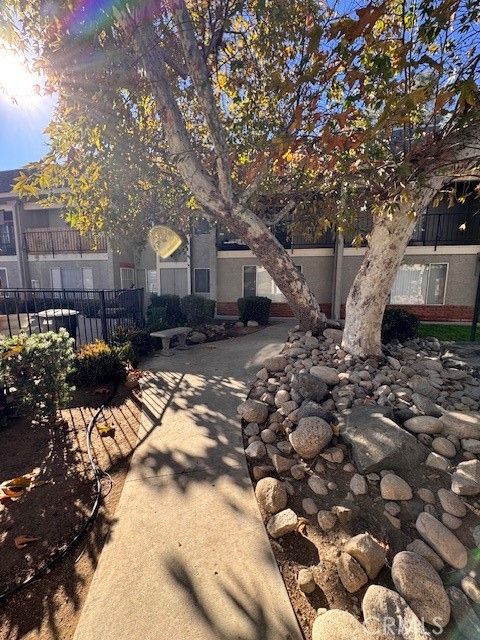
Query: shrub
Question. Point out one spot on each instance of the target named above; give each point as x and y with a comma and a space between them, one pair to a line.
156, 319
254, 308
35, 370
197, 310
138, 339
398, 324
171, 304
98, 363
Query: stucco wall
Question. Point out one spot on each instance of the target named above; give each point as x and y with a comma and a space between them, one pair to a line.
41, 270
461, 275
14, 278
204, 256
316, 269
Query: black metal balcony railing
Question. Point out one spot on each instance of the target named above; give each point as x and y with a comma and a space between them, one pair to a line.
447, 228
434, 228
57, 241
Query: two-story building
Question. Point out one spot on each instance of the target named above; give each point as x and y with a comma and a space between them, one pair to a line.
437, 280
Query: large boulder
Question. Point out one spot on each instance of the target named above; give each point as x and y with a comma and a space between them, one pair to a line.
310, 437
451, 503
426, 406
462, 425
393, 488
417, 581
338, 625
334, 334
424, 424
379, 443
309, 387
418, 546
253, 411
271, 495
329, 375
388, 617
466, 478
467, 621
442, 540
351, 574
369, 553
309, 408
282, 523
422, 386
275, 363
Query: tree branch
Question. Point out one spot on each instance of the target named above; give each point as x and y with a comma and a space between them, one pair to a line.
200, 77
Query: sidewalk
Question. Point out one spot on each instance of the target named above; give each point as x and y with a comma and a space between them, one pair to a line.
188, 557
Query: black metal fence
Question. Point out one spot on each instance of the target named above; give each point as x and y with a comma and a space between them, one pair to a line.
87, 315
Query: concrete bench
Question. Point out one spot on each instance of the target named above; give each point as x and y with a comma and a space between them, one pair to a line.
166, 335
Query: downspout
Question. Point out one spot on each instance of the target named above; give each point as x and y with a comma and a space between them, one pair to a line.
476, 310
189, 263
337, 275
22, 257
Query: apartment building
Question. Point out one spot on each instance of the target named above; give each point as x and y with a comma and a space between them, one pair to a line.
438, 278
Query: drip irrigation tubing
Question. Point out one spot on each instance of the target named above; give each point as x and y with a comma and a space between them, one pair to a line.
98, 475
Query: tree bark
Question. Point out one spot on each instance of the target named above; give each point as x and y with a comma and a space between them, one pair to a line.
453, 157
369, 293
217, 198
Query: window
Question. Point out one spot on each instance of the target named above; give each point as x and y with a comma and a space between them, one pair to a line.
258, 282
201, 227
420, 284
72, 278
7, 234
201, 280
151, 276
3, 278
127, 277
35, 284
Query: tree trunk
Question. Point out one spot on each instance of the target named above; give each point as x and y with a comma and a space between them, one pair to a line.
221, 203
372, 285
273, 257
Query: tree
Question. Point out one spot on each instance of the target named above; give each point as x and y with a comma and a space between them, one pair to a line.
404, 123
202, 103
214, 105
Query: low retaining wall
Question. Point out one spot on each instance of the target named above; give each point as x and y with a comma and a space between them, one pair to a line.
430, 313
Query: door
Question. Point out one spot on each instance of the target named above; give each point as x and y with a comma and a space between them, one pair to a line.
174, 281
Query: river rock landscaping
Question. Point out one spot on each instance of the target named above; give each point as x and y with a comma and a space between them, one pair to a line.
367, 475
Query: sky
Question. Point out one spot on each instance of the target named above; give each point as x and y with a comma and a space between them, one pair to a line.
21, 130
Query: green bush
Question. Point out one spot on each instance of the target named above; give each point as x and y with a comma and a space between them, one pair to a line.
254, 308
156, 319
210, 308
398, 324
35, 370
197, 310
138, 339
98, 363
172, 309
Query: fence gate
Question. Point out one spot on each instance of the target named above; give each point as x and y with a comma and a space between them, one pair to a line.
87, 315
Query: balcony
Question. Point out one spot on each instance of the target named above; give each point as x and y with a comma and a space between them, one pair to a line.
60, 241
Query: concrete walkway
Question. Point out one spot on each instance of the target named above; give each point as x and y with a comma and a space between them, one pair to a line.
189, 558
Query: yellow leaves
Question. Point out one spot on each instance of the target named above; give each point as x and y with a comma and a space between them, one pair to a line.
24, 186
469, 95
222, 80
106, 430
14, 351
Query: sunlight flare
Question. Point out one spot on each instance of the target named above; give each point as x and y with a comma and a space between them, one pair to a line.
17, 82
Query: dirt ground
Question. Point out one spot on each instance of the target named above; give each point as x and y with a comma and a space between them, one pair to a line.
314, 549
56, 508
